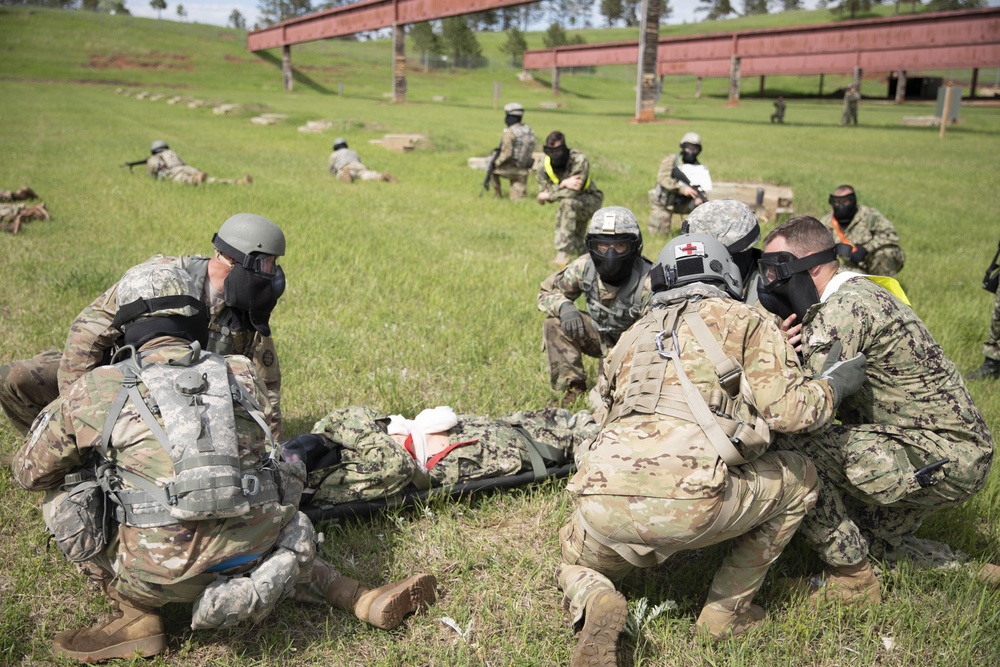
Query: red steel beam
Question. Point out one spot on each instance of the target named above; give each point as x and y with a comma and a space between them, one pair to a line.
938, 40
361, 16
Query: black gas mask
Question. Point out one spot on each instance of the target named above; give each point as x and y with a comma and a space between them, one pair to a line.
613, 256
253, 286
512, 119
558, 156
785, 286
139, 328
845, 207
689, 153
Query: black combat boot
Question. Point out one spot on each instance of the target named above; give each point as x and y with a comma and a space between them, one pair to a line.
990, 370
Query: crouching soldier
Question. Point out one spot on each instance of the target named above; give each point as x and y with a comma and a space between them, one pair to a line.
161, 485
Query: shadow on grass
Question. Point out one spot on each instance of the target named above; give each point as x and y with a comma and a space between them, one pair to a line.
297, 76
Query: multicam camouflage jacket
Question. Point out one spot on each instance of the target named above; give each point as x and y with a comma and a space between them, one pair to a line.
92, 335
642, 450
342, 157
913, 391
577, 164
877, 235
160, 164
66, 437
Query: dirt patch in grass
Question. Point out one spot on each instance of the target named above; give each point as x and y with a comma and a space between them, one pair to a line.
151, 60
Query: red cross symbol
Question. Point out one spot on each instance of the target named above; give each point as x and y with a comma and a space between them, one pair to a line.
690, 249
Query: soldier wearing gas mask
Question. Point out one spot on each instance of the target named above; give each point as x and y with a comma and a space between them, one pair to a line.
241, 284
872, 239
682, 184
909, 442
564, 179
610, 277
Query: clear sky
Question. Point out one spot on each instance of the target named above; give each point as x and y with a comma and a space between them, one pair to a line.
216, 12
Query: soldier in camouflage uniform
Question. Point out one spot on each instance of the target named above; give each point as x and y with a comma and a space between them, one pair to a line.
165, 165
12, 216
148, 562
692, 392
850, 113
359, 454
346, 165
910, 442
240, 284
513, 159
611, 277
991, 348
735, 225
22, 194
564, 178
671, 195
873, 239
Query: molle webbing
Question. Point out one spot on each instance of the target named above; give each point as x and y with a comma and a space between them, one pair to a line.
539, 452
524, 143
612, 320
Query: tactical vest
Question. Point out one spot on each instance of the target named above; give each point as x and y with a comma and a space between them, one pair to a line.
222, 339
612, 320
524, 145
194, 396
727, 414
343, 157
167, 160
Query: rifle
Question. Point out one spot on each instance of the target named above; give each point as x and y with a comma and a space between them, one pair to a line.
679, 175
133, 164
489, 170
991, 281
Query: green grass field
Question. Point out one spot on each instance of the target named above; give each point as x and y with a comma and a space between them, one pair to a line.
422, 293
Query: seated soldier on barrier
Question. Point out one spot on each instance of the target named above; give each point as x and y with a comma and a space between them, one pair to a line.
359, 454
162, 484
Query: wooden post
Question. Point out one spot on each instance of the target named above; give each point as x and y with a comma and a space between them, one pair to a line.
645, 85
949, 91
399, 62
734, 80
496, 95
697, 88
286, 66
555, 80
975, 83
760, 93
821, 85
901, 87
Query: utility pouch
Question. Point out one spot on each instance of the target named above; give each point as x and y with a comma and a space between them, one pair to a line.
991, 281
77, 517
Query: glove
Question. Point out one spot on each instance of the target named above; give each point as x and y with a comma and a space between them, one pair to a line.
845, 377
858, 254
571, 322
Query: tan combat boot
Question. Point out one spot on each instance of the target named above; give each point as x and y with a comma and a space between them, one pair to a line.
246, 180
721, 623
573, 392
851, 584
603, 620
988, 574
389, 178
131, 630
560, 260
345, 176
387, 606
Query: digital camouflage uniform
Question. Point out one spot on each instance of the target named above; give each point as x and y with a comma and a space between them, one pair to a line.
344, 159
912, 410
166, 165
652, 484
991, 348
612, 310
779, 111
877, 235
374, 466
513, 161
28, 386
575, 206
850, 113
12, 216
665, 199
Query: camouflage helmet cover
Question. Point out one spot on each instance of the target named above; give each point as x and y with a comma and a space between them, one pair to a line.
513, 109
248, 234
158, 146
731, 222
613, 221
699, 258
339, 142
691, 138
152, 281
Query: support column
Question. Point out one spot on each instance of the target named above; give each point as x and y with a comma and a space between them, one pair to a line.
399, 62
760, 93
857, 79
697, 88
734, 80
645, 86
975, 83
286, 66
555, 80
901, 87
821, 85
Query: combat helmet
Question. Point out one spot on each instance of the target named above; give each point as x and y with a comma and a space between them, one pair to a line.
246, 237
692, 138
696, 258
613, 240
157, 300
339, 143
731, 222
513, 109
158, 146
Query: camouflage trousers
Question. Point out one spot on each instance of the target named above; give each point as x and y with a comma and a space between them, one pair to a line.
661, 216
518, 182
849, 115
991, 348
27, 386
185, 174
886, 261
360, 172
763, 504
565, 354
572, 218
870, 501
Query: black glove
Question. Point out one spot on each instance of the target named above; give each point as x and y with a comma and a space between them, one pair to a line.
571, 322
858, 254
845, 377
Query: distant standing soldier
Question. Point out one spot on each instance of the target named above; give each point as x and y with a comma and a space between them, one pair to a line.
564, 178
681, 184
850, 113
779, 111
346, 165
165, 165
991, 348
873, 239
611, 278
513, 159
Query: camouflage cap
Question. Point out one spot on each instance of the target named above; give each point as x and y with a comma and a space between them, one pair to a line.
513, 109
158, 146
151, 281
691, 138
731, 222
613, 220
